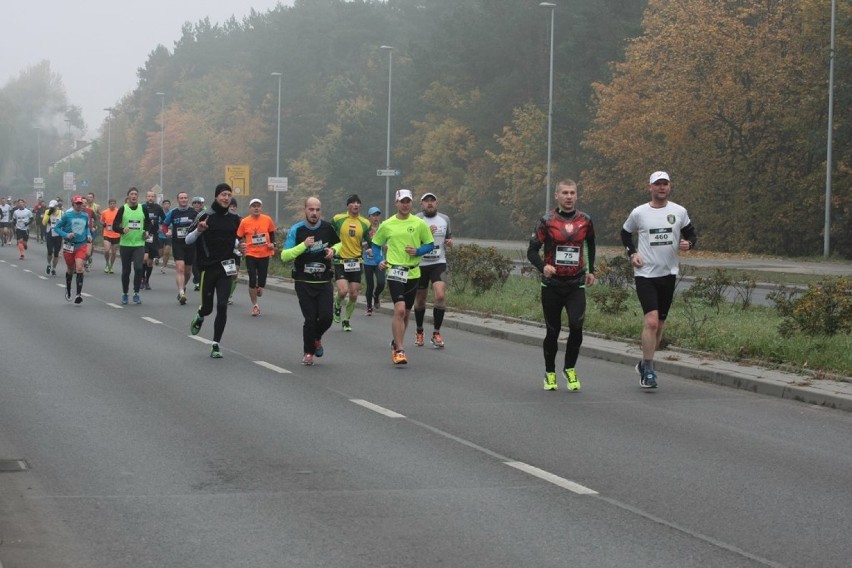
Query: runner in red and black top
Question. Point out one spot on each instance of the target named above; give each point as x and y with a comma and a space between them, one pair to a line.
568, 238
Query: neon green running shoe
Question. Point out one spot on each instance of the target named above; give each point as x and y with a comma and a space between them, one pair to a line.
215, 352
550, 382
194, 326
572, 380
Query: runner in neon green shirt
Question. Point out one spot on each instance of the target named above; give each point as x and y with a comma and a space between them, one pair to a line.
408, 238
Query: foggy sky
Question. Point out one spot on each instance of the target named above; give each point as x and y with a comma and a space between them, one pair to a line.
96, 46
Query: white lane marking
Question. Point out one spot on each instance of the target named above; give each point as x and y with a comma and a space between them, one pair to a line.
272, 367
551, 478
201, 339
28, 270
85, 295
42, 277
13, 265
116, 306
376, 408
152, 320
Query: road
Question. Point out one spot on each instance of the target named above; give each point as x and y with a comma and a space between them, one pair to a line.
143, 451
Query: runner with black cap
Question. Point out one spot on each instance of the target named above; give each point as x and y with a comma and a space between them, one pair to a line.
354, 231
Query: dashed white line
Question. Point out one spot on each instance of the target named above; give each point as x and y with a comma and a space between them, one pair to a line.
272, 367
201, 339
152, 320
551, 478
116, 306
28, 270
376, 408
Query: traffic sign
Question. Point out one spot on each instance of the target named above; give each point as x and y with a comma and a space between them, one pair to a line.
238, 177
68, 181
277, 184
38, 183
388, 173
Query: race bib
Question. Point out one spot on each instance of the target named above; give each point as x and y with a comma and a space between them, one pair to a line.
258, 239
314, 268
230, 266
109, 227
433, 254
567, 256
398, 274
661, 237
181, 232
67, 246
351, 265
134, 225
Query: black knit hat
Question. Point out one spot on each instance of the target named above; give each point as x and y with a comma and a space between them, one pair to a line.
222, 187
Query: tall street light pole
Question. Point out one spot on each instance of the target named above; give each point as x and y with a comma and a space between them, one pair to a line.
68, 160
162, 133
828, 159
389, 49
109, 148
278, 142
38, 149
552, 8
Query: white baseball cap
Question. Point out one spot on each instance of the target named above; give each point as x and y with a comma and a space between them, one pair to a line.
403, 194
255, 200
656, 176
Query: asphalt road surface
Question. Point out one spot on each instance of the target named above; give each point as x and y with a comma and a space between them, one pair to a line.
140, 450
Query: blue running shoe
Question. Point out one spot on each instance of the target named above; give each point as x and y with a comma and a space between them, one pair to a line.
137, 299
124, 299
648, 380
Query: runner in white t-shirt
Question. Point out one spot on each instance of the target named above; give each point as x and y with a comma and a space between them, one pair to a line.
664, 229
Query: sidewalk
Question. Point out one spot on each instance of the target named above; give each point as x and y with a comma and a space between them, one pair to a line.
821, 392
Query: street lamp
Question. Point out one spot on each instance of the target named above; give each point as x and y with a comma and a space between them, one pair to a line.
278, 142
162, 132
828, 158
109, 148
38, 148
68, 159
552, 7
389, 49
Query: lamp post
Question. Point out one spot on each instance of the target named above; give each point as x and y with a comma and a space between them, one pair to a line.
552, 8
162, 133
278, 142
828, 158
389, 49
68, 160
38, 149
109, 148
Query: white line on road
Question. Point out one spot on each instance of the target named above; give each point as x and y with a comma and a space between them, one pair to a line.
27, 270
116, 306
272, 367
551, 478
152, 320
201, 339
376, 408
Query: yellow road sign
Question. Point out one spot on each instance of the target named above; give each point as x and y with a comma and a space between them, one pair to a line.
238, 178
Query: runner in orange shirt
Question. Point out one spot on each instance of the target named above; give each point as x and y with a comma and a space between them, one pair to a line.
111, 238
257, 230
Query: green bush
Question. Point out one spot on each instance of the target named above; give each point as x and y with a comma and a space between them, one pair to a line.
480, 267
824, 309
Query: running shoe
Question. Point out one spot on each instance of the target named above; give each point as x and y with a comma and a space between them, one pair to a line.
550, 382
162, 271
157, 261
78, 299
22, 257
215, 353
639, 369
53, 272
195, 325
230, 300
346, 326
418, 338
181, 298
106, 269
377, 303
369, 312
648, 380
572, 380
137, 299
436, 340
318, 350
255, 310
308, 360
124, 299
259, 291
399, 357
68, 294
197, 287
48, 270
111, 271
393, 348
147, 285
336, 312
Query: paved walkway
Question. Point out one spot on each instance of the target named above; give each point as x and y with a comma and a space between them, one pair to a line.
821, 392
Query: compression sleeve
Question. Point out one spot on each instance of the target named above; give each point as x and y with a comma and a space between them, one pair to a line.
423, 249
690, 234
627, 241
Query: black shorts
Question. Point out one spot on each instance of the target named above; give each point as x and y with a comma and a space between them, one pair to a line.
22, 234
403, 292
152, 249
184, 252
431, 274
112, 240
351, 276
5, 224
656, 294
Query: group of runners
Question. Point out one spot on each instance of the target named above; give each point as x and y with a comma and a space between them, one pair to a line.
406, 253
